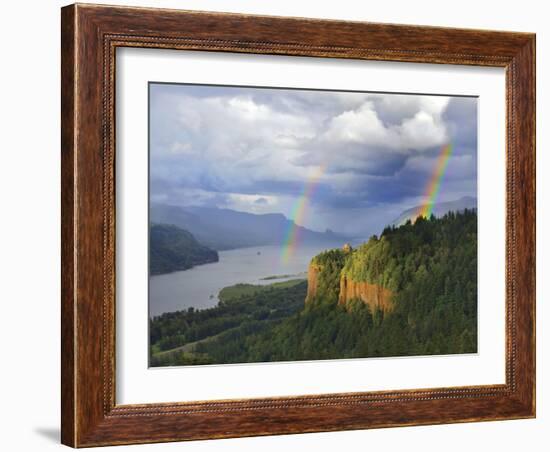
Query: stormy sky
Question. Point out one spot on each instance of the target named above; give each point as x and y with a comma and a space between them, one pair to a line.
370, 155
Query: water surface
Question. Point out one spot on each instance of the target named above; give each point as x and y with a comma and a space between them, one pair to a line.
199, 286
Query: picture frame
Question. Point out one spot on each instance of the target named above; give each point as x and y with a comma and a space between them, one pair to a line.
90, 36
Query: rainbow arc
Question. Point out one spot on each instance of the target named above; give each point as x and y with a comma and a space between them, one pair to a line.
299, 209
434, 184
298, 214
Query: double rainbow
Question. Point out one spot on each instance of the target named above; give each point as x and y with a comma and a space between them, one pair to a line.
298, 214
299, 209
434, 184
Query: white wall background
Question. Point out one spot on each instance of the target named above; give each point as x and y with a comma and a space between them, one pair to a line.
29, 232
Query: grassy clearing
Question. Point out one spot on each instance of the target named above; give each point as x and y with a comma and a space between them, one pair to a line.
239, 291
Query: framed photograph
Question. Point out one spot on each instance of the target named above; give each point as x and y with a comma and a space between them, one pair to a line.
282, 225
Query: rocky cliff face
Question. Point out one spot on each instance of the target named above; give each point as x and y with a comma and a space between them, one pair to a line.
375, 296
312, 281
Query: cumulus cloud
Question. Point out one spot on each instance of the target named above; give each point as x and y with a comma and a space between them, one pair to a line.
254, 149
421, 130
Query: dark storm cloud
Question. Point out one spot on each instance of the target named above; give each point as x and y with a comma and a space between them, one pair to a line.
461, 118
255, 149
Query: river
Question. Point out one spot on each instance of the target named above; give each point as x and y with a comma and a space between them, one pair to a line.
199, 286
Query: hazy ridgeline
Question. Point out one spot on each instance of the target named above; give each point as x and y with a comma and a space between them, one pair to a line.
224, 229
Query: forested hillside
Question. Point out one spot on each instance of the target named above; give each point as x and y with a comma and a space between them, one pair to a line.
173, 249
427, 270
438, 209
243, 312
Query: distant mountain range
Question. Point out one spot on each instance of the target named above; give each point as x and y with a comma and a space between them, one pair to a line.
439, 209
223, 229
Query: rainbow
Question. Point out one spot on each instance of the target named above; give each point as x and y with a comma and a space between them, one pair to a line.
434, 185
297, 215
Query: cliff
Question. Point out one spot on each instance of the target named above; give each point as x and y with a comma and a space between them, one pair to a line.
326, 279
375, 296
312, 281
405, 262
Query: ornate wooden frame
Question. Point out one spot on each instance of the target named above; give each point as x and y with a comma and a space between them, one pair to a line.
90, 35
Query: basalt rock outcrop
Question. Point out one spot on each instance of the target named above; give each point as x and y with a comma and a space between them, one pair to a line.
346, 289
312, 281
377, 297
